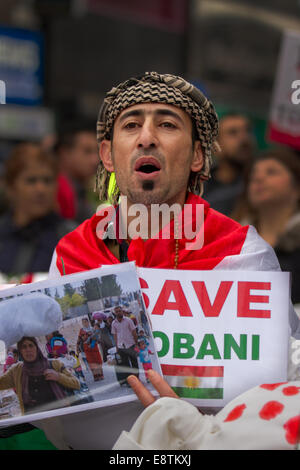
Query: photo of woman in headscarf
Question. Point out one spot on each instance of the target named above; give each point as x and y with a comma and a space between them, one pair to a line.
40, 384
91, 350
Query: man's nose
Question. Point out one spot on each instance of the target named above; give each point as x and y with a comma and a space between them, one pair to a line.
42, 186
246, 136
147, 136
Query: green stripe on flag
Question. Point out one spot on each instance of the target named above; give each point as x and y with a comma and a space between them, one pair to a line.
187, 392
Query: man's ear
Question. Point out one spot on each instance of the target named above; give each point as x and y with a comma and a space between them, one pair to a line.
197, 162
105, 155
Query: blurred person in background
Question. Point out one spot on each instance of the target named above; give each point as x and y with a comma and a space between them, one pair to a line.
11, 358
31, 227
271, 202
237, 145
77, 154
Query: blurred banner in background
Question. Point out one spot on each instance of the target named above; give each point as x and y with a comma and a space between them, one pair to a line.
21, 65
284, 125
22, 71
170, 15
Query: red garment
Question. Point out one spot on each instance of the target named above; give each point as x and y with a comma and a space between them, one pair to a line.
66, 197
82, 250
10, 360
93, 355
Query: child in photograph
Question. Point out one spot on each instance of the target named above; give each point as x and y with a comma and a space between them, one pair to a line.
69, 361
142, 336
92, 353
78, 371
77, 365
56, 345
95, 337
11, 358
144, 356
80, 351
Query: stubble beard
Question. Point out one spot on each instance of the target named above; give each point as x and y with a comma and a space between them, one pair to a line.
149, 192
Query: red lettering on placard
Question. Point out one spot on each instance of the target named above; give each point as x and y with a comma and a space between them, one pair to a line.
214, 309
245, 298
144, 285
180, 303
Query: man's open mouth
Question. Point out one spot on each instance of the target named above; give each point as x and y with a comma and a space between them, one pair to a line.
147, 165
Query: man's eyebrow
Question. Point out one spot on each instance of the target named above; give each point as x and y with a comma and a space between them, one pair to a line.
168, 112
130, 113
142, 112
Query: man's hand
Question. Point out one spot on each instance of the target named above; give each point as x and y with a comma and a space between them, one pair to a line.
144, 395
51, 374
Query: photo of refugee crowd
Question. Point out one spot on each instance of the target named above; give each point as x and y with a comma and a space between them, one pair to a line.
105, 336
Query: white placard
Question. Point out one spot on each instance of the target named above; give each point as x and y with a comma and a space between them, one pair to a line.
229, 329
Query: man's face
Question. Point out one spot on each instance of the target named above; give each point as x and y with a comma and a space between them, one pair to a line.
119, 313
236, 139
152, 153
33, 191
82, 158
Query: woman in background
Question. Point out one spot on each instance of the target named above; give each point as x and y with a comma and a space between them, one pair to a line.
31, 227
271, 204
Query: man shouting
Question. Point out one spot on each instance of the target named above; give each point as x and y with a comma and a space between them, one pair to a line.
156, 133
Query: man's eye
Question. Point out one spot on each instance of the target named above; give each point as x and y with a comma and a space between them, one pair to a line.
168, 124
233, 132
131, 125
31, 180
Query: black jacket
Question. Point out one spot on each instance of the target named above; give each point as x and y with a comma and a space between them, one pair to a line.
29, 249
287, 250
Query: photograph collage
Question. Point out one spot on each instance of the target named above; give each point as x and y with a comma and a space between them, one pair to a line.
103, 337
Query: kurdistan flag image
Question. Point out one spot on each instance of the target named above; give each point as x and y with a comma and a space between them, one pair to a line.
195, 381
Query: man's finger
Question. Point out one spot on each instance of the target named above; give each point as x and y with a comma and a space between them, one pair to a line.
143, 394
161, 385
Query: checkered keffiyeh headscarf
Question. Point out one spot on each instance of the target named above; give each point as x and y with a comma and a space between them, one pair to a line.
156, 88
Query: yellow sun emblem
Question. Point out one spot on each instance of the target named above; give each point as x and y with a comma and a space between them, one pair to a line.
191, 382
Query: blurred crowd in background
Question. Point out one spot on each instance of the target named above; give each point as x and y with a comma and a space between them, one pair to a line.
47, 182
